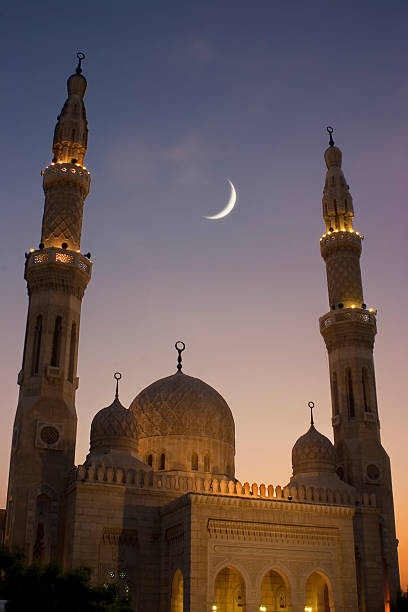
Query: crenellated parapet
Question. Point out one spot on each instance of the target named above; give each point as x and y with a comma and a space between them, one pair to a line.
172, 483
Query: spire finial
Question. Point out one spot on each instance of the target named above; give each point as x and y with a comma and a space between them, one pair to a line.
311, 406
117, 376
80, 56
180, 346
330, 131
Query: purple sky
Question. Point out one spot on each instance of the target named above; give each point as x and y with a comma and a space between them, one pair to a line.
180, 96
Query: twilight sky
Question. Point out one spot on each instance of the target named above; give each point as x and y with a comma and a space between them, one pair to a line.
182, 94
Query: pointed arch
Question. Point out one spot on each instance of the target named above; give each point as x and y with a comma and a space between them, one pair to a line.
162, 462
72, 350
35, 361
56, 342
177, 586
319, 592
275, 591
350, 394
194, 462
366, 392
335, 390
229, 590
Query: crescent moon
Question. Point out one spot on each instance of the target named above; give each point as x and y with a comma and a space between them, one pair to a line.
231, 203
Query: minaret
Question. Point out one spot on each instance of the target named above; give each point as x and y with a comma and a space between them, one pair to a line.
57, 274
349, 329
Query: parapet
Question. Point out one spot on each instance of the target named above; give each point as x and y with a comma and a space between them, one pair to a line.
172, 483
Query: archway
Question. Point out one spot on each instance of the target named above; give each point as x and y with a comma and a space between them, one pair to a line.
319, 593
274, 593
176, 602
229, 591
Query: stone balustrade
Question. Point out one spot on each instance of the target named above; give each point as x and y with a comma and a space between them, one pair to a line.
65, 257
60, 170
361, 315
183, 484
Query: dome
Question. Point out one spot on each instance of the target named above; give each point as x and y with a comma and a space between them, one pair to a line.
313, 452
185, 425
114, 427
333, 156
183, 405
76, 85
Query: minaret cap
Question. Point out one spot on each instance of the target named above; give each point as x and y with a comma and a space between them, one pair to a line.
77, 82
332, 155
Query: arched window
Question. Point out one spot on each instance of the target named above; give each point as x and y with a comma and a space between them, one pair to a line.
206, 463
176, 601
364, 382
319, 593
149, 460
335, 394
194, 461
229, 590
274, 592
350, 394
56, 343
72, 346
162, 464
35, 363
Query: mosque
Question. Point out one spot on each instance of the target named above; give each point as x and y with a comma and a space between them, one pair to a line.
156, 505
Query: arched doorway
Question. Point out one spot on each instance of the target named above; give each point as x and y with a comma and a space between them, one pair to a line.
274, 593
319, 593
176, 602
229, 591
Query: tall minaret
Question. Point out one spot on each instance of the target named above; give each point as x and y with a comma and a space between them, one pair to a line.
57, 274
349, 330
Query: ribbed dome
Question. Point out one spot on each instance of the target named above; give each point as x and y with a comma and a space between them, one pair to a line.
313, 452
184, 406
114, 426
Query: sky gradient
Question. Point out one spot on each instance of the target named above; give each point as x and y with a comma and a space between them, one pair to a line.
181, 95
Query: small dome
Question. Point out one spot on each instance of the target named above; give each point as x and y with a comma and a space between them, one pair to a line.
333, 157
183, 405
313, 452
114, 427
76, 85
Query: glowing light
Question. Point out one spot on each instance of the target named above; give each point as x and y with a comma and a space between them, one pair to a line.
336, 230
213, 607
31, 250
262, 608
353, 305
371, 310
358, 233
308, 609
343, 230
351, 231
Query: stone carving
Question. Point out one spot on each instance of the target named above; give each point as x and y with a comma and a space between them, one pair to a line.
313, 452
115, 420
183, 405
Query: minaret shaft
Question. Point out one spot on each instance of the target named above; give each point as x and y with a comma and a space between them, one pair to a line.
349, 330
57, 275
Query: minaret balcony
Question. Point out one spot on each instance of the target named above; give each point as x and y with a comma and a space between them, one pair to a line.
72, 171
58, 257
340, 239
345, 315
